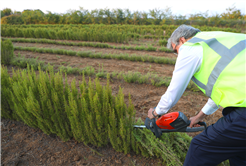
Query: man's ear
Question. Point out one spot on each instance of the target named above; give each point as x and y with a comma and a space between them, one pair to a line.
182, 40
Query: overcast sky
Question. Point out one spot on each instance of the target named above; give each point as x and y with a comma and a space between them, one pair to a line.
183, 7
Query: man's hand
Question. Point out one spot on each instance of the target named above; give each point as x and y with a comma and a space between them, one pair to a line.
198, 118
150, 115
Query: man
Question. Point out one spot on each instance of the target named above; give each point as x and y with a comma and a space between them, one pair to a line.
215, 61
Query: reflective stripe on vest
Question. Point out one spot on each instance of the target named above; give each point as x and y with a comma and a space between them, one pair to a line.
227, 55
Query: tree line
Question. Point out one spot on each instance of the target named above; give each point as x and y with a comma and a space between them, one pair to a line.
232, 17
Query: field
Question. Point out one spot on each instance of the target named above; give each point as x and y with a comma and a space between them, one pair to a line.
146, 80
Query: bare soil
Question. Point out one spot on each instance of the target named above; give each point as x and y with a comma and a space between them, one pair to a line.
22, 145
109, 65
97, 50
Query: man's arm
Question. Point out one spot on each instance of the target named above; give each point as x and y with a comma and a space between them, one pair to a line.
187, 64
208, 109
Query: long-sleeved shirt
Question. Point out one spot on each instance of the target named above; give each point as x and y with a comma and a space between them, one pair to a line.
188, 62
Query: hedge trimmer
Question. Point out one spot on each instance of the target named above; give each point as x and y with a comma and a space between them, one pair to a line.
170, 122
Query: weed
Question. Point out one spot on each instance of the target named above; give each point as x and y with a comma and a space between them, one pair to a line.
89, 70
101, 72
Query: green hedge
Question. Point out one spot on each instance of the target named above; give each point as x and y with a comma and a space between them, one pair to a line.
98, 33
89, 54
7, 51
89, 44
89, 114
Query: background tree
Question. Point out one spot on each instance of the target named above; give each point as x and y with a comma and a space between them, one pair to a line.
73, 17
7, 11
144, 18
199, 16
101, 14
128, 16
26, 16
159, 14
136, 17
17, 12
12, 19
154, 13
2, 14
83, 14
180, 19
109, 15
214, 20
63, 18
231, 18
119, 16
166, 14
51, 18
91, 16
232, 13
33, 16
38, 16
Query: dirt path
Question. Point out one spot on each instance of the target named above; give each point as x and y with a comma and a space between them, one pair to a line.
97, 50
26, 146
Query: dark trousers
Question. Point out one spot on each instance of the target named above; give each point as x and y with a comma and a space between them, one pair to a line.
226, 139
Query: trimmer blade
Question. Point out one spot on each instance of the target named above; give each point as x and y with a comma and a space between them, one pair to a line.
139, 126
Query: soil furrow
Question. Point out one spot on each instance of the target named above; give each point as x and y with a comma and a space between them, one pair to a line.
97, 50
109, 65
141, 42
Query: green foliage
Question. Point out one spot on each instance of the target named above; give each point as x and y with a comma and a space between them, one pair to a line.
89, 114
2, 14
69, 70
101, 72
231, 18
71, 53
163, 42
150, 48
7, 52
144, 58
46, 102
23, 62
89, 70
7, 11
232, 13
131, 77
164, 49
7, 109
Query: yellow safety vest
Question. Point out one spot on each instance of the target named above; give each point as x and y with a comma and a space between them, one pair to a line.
222, 74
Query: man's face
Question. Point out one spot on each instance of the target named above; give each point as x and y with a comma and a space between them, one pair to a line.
176, 47
182, 40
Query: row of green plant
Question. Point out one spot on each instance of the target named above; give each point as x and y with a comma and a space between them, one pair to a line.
83, 35
90, 54
129, 77
97, 45
7, 51
170, 147
155, 37
89, 114
143, 30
